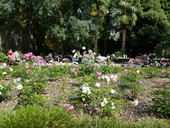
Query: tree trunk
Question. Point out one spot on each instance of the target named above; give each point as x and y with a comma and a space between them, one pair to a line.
40, 40
96, 31
123, 38
105, 46
124, 34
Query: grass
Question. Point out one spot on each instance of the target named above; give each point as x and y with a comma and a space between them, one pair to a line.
57, 117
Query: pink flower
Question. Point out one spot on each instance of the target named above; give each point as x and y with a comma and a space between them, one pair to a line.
67, 105
0, 82
138, 60
29, 70
12, 59
75, 69
33, 57
99, 73
141, 82
125, 70
90, 51
4, 80
30, 54
131, 60
70, 108
81, 79
116, 85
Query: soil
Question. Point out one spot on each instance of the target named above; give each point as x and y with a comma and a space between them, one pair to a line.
129, 112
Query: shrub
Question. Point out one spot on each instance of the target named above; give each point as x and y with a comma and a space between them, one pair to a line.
162, 101
4, 88
36, 117
4, 58
130, 83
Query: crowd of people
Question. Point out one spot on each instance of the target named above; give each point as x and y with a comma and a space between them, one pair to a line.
80, 57
75, 57
13, 55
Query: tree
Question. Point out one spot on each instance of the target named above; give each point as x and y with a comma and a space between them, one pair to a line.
165, 4
99, 9
151, 28
56, 20
125, 15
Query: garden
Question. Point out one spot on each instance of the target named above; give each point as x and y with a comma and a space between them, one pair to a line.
37, 94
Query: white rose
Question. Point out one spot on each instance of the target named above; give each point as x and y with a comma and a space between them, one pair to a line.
4, 73
138, 71
98, 84
105, 101
19, 87
112, 91
102, 104
1, 86
11, 69
4, 64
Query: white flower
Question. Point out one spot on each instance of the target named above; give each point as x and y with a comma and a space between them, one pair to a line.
114, 77
4, 64
18, 79
73, 51
108, 57
1, 87
105, 101
98, 84
86, 90
11, 69
26, 66
135, 102
103, 77
27, 80
138, 71
0, 93
107, 78
19, 87
4, 73
112, 91
84, 48
15, 81
113, 106
1, 67
102, 104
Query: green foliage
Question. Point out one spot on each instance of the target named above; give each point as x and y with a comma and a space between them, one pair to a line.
151, 72
59, 117
131, 83
4, 90
162, 101
37, 117
151, 28
4, 58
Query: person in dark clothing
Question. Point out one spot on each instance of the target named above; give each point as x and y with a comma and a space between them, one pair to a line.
152, 56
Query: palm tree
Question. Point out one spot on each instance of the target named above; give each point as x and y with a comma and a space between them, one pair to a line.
99, 9
125, 15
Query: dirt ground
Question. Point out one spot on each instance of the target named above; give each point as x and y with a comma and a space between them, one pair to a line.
129, 112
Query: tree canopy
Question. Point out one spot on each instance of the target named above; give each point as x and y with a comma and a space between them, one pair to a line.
64, 25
